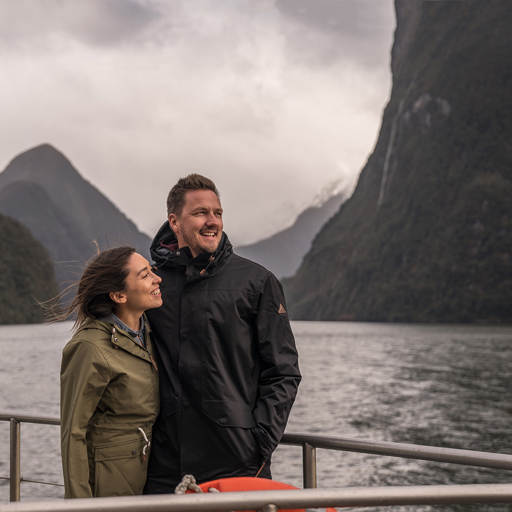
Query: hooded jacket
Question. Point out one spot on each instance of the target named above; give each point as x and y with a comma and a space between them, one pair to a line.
109, 402
228, 362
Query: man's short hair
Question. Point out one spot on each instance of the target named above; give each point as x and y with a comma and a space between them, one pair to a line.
176, 197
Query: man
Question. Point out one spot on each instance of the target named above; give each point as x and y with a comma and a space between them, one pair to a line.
227, 358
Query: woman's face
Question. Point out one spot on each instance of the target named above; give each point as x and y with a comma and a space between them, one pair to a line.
142, 290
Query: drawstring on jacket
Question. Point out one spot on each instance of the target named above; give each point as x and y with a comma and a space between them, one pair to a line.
210, 261
147, 445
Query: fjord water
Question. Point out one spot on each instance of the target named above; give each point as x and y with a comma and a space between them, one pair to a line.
435, 385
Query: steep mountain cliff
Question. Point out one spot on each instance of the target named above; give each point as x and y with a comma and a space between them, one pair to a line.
427, 234
282, 253
43, 190
26, 277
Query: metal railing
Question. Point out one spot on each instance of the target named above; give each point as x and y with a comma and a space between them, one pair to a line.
310, 496
15, 448
272, 501
309, 444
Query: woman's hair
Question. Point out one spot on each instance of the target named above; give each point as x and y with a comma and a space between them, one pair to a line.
105, 273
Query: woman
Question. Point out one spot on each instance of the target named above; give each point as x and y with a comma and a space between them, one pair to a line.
109, 380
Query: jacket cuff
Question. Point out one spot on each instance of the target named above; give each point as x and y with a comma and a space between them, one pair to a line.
265, 444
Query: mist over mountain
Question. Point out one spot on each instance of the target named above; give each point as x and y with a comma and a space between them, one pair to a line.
427, 234
27, 275
41, 189
282, 253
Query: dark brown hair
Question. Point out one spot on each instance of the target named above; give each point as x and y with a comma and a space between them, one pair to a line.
105, 273
176, 197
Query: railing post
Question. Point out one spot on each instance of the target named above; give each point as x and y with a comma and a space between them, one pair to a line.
15, 476
309, 466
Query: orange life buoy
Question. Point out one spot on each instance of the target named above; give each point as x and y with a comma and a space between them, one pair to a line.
247, 483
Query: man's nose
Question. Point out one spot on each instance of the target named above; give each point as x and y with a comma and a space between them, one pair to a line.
212, 219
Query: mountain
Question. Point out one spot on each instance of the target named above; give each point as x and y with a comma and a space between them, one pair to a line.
27, 274
43, 190
427, 234
282, 253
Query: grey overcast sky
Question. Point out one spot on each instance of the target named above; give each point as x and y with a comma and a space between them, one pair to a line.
275, 100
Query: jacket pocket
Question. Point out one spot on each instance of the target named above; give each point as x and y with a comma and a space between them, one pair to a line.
228, 414
119, 469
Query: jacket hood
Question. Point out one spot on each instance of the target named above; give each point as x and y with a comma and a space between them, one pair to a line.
164, 244
94, 324
118, 336
165, 251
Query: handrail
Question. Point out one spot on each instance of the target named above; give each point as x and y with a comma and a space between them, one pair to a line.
310, 443
406, 451
15, 420
30, 418
271, 501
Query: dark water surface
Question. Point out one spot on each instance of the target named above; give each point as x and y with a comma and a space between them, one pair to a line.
424, 384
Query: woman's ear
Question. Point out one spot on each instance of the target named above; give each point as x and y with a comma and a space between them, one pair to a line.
118, 297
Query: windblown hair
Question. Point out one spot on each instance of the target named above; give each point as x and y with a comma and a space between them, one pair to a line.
176, 197
105, 273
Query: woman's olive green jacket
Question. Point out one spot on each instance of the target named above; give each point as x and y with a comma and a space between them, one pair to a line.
109, 402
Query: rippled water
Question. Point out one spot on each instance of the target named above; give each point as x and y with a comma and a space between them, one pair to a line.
423, 384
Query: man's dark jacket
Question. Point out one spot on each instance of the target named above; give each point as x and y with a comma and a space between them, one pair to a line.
228, 364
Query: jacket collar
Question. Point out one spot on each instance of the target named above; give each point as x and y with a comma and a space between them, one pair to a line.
164, 251
120, 339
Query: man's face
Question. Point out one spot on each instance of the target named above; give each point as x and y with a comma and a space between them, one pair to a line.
199, 226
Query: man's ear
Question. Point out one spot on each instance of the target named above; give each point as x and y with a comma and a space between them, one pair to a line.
173, 222
118, 297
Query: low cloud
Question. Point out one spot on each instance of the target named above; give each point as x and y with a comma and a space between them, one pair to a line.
138, 94
35, 25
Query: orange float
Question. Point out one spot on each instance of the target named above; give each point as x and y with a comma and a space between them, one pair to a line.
237, 484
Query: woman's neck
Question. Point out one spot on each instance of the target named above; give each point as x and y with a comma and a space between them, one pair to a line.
131, 319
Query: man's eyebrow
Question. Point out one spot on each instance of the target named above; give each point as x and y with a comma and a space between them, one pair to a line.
200, 208
206, 208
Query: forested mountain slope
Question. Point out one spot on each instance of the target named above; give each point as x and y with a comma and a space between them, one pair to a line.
427, 234
27, 275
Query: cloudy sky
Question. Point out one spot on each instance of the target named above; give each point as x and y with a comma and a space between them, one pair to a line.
275, 100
